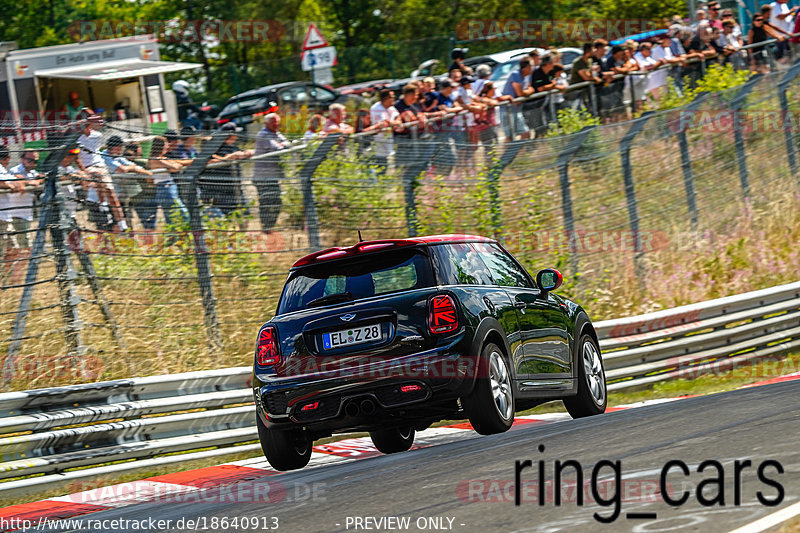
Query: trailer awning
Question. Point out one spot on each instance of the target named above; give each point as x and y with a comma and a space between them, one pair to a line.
112, 70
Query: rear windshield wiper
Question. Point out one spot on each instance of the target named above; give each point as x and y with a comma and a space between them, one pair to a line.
331, 299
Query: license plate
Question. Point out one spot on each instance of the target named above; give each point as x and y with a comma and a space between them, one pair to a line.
348, 337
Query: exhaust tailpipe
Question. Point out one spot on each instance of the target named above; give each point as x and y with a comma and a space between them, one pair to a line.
351, 409
367, 407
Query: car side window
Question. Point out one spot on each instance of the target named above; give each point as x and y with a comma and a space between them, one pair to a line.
320, 94
502, 267
459, 264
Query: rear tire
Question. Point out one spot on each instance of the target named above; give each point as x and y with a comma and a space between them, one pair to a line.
592, 394
490, 405
393, 440
285, 449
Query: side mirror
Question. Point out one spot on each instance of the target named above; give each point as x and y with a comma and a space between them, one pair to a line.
548, 279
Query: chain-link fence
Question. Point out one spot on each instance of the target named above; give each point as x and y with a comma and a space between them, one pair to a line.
146, 263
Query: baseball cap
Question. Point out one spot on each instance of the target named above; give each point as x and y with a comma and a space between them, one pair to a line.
459, 52
171, 135
230, 126
114, 140
466, 80
188, 131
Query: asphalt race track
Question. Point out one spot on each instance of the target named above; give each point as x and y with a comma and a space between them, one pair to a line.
468, 485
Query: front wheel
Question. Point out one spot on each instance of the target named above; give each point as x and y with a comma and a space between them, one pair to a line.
592, 392
490, 405
287, 449
393, 440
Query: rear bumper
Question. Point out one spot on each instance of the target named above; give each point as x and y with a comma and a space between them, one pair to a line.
405, 386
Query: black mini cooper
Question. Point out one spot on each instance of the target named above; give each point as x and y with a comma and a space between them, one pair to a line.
391, 336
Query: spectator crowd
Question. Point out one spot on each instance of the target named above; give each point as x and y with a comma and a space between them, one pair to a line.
459, 111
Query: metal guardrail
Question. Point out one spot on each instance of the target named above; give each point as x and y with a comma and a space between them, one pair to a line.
58, 432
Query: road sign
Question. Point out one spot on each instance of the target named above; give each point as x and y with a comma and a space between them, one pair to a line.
314, 39
319, 58
322, 76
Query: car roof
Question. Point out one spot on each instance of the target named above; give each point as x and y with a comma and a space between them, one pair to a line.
341, 252
265, 90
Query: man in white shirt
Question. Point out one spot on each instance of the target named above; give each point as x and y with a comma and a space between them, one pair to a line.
782, 18
92, 162
15, 215
383, 115
657, 80
16, 207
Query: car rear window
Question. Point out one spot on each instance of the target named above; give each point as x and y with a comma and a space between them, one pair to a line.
248, 105
362, 277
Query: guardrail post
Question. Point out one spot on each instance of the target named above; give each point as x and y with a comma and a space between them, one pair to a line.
686, 160
788, 137
49, 169
735, 105
307, 184
566, 196
510, 152
630, 191
188, 191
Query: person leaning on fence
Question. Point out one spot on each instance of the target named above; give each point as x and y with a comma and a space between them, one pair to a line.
580, 72
221, 187
408, 147
611, 96
314, 127
648, 64
337, 120
731, 44
16, 207
384, 116
186, 148
542, 81
119, 163
781, 18
165, 194
445, 157
482, 73
487, 121
92, 162
268, 172
517, 86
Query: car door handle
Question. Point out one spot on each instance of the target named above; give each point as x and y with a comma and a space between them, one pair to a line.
519, 304
489, 304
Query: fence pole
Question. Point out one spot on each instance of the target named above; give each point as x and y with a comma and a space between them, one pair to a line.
566, 195
787, 124
630, 191
422, 155
593, 99
735, 105
49, 169
188, 191
686, 160
65, 277
307, 184
493, 180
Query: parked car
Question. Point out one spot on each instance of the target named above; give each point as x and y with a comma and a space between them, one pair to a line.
288, 97
364, 88
390, 336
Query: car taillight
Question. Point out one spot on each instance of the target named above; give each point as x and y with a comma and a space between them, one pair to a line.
310, 406
267, 347
222, 121
442, 314
410, 388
